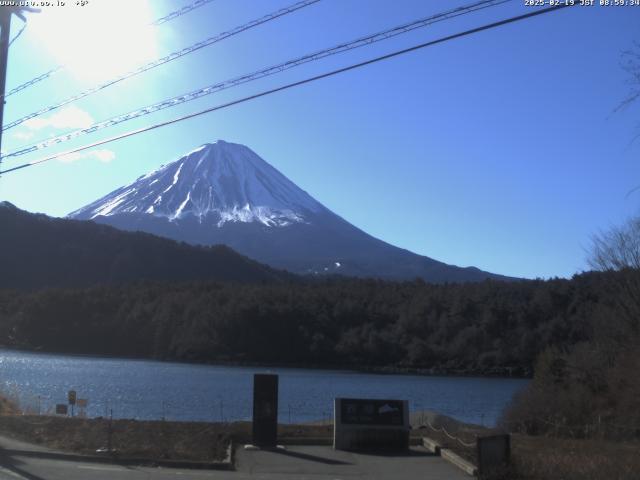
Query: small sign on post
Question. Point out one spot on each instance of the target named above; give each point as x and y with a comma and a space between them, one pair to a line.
82, 406
71, 398
265, 410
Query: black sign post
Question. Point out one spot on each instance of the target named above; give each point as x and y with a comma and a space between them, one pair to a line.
71, 397
494, 455
265, 410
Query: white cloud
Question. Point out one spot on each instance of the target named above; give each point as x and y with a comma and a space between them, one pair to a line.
23, 135
103, 155
69, 117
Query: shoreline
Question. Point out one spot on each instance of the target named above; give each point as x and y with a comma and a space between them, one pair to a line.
523, 373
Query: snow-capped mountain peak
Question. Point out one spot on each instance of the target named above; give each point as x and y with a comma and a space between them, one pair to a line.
223, 193
218, 182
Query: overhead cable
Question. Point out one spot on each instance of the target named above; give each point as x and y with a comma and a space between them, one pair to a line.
159, 21
388, 56
167, 58
217, 87
181, 11
24, 26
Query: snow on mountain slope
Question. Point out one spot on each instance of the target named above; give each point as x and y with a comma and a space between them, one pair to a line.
219, 182
223, 193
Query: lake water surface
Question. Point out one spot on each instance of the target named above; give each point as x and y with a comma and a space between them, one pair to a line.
144, 389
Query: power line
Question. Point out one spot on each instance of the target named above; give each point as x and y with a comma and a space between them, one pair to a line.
6, 14
182, 11
217, 87
294, 84
159, 21
24, 26
167, 58
35, 80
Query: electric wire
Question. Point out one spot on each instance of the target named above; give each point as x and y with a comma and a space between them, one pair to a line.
288, 86
159, 21
24, 26
217, 87
167, 58
180, 12
33, 81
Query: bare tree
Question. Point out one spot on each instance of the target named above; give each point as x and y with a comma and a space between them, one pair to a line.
618, 248
617, 251
630, 63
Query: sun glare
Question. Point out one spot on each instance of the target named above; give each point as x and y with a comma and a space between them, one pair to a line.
99, 40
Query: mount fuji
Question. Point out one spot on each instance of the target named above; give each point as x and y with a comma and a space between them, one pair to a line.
224, 193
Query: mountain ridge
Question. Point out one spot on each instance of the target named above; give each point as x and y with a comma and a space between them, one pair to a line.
224, 193
38, 251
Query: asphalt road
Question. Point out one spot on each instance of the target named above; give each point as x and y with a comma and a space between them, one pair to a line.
304, 462
45, 469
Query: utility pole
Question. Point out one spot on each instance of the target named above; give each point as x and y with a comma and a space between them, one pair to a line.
5, 28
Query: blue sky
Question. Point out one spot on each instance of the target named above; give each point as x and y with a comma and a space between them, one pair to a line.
499, 150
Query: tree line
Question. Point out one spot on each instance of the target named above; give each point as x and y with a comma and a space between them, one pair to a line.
490, 327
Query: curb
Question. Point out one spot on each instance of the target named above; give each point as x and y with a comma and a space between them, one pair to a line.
451, 457
229, 459
323, 441
328, 441
467, 467
226, 464
431, 445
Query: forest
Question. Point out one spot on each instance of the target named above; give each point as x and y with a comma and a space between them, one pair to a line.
489, 328
135, 295
37, 251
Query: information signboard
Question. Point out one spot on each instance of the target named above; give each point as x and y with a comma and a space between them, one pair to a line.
371, 412
371, 424
61, 409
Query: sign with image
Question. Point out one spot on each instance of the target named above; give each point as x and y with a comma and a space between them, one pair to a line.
372, 412
371, 424
71, 396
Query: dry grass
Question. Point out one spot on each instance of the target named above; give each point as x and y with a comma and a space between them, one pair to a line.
8, 407
538, 458
544, 458
534, 458
549, 458
197, 441
130, 438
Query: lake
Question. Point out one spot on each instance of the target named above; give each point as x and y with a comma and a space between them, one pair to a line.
145, 389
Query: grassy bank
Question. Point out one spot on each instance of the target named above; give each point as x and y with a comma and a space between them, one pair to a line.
542, 457
538, 458
198, 441
7, 406
533, 457
126, 438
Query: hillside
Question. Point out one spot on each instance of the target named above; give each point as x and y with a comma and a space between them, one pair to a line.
224, 193
38, 251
